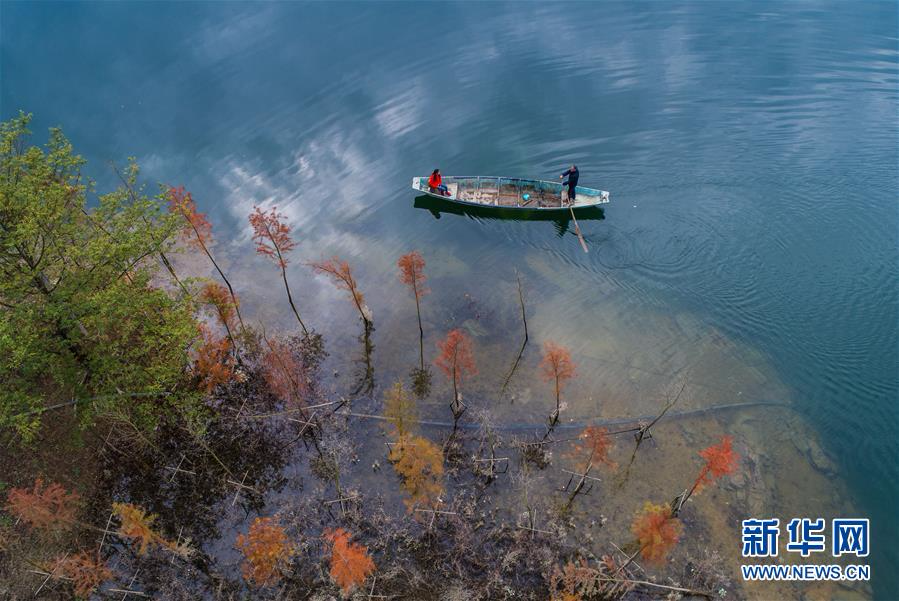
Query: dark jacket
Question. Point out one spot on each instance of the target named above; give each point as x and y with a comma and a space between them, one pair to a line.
572, 177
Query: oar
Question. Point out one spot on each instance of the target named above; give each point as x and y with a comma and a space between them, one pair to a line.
577, 228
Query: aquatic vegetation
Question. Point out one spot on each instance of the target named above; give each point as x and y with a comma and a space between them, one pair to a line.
340, 273
45, 506
456, 361
412, 266
224, 304
197, 232
656, 531
85, 570
557, 367
136, 524
350, 562
420, 464
400, 410
720, 460
285, 373
214, 363
266, 549
272, 237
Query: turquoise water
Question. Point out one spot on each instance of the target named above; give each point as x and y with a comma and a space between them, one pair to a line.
750, 149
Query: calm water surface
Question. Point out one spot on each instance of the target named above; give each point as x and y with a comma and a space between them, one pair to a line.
751, 152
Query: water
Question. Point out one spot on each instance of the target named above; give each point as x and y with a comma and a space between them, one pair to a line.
751, 152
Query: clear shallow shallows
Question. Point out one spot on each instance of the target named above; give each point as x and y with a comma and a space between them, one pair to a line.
751, 152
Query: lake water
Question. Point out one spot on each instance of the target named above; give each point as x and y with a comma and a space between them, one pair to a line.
750, 248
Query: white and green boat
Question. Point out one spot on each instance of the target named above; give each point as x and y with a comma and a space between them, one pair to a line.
511, 193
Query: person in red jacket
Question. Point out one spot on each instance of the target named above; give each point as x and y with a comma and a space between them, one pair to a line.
435, 183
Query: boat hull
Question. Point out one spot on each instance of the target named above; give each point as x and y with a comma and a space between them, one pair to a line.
511, 194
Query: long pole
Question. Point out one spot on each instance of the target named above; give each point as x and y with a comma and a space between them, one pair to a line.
577, 229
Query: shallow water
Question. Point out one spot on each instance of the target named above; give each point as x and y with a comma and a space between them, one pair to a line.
751, 151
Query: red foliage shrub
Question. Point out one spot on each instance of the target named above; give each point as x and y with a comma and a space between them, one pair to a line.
340, 272
455, 358
720, 460
284, 373
656, 531
86, 570
594, 446
220, 299
271, 234
412, 274
214, 364
197, 231
350, 562
557, 364
266, 550
44, 506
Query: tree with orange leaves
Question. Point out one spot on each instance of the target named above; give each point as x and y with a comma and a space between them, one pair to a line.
224, 304
557, 366
412, 274
285, 374
197, 231
456, 361
657, 532
266, 549
85, 570
214, 363
136, 524
420, 463
593, 447
45, 506
340, 273
350, 562
272, 237
720, 460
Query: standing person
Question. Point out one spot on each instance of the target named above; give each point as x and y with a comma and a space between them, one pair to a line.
572, 174
435, 182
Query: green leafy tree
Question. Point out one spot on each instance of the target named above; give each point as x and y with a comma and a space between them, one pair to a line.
79, 317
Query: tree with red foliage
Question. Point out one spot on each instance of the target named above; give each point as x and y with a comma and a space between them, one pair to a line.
285, 374
557, 366
86, 571
657, 531
412, 266
350, 562
266, 549
272, 237
593, 447
340, 273
218, 297
720, 460
45, 506
137, 525
456, 360
214, 363
197, 232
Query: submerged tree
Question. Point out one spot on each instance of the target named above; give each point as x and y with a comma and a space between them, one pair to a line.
266, 549
79, 317
557, 367
456, 360
719, 461
657, 531
197, 231
400, 410
593, 447
272, 237
285, 374
420, 464
224, 304
136, 524
412, 274
340, 273
350, 562
45, 506
85, 570
214, 365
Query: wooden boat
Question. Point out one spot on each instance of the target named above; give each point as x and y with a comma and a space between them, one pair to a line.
511, 193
